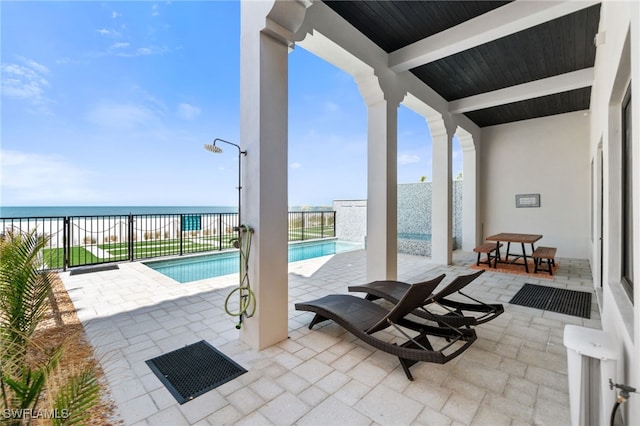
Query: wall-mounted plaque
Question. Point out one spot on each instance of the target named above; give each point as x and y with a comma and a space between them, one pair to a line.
527, 200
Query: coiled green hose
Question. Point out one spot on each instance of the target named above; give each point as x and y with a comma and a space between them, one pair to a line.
247, 299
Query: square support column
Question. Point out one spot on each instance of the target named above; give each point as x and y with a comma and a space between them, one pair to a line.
470, 237
442, 204
382, 191
264, 134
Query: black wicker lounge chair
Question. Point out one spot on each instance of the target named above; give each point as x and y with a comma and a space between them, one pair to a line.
456, 312
363, 318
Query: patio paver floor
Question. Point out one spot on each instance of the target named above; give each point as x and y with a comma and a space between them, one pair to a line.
515, 373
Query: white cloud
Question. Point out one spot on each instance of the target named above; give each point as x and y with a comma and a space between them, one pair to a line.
295, 165
122, 50
119, 45
154, 10
27, 82
331, 106
108, 33
188, 112
125, 49
408, 159
35, 66
115, 14
124, 116
27, 178
148, 98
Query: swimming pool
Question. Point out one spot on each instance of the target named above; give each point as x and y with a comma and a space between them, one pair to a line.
187, 269
418, 244
414, 236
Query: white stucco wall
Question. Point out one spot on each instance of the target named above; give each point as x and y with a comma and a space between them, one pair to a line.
547, 156
617, 65
351, 220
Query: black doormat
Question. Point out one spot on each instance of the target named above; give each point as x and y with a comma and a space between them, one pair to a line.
194, 370
563, 301
93, 268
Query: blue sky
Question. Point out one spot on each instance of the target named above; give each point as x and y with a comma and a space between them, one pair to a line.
110, 103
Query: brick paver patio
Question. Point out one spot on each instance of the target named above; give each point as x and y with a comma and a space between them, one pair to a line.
515, 373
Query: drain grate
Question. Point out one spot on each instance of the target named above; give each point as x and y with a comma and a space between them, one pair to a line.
563, 301
194, 370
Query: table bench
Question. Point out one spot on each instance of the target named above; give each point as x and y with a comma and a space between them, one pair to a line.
515, 238
488, 248
544, 253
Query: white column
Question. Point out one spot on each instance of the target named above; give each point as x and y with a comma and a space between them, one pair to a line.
470, 238
441, 195
382, 179
263, 124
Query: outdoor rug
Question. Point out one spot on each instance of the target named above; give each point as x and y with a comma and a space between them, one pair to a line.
563, 301
518, 269
194, 370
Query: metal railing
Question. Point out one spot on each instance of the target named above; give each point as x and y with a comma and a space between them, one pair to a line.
308, 225
89, 240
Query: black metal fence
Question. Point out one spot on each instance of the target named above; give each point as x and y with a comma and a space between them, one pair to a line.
311, 224
90, 240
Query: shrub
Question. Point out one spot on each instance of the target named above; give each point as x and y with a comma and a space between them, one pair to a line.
25, 377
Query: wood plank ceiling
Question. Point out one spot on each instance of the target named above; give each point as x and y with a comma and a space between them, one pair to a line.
551, 48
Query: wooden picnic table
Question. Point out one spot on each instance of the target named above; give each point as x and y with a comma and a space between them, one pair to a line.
509, 238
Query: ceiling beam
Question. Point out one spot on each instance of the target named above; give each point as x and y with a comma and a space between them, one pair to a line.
533, 89
503, 21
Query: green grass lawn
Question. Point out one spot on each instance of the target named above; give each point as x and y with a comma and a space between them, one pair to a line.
54, 258
153, 248
310, 232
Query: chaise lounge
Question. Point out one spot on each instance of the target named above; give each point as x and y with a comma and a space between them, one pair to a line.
456, 311
365, 319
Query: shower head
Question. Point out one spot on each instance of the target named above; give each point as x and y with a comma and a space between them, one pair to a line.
213, 148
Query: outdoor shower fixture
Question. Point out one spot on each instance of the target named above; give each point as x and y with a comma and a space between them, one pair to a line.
247, 301
217, 150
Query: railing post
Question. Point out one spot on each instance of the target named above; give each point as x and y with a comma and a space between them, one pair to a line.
302, 222
130, 238
321, 224
180, 231
334, 223
66, 245
219, 231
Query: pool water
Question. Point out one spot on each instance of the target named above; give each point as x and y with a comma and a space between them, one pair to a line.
414, 236
187, 269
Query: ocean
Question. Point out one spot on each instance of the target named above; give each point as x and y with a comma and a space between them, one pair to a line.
58, 211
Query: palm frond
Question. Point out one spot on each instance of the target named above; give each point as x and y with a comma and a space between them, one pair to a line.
24, 288
74, 400
22, 385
